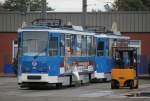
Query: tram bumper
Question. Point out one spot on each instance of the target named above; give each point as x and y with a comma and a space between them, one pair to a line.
37, 78
102, 76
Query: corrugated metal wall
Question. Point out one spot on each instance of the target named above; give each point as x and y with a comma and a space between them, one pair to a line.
127, 21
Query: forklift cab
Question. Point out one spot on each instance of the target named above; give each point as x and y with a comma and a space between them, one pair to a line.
124, 73
125, 58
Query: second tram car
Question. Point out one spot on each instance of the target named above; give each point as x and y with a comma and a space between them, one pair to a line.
103, 57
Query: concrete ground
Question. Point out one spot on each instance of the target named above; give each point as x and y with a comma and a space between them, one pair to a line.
10, 91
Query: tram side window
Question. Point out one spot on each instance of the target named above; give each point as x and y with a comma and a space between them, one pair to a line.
90, 46
73, 44
79, 45
62, 45
100, 48
53, 51
94, 46
70, 41
84, 45
68, 44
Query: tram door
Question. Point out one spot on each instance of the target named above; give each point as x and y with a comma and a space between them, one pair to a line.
54, 54
103, 61
100, 48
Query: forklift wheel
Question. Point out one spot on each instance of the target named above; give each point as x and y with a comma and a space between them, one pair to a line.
114, 85
137, 85
134, 85
131, 84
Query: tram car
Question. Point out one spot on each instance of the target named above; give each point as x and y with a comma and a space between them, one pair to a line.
103, 57
52, 54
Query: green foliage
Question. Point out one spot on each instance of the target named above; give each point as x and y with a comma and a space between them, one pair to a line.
131, 5
1, 7
23, 5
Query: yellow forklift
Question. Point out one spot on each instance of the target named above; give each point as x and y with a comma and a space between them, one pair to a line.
124, 73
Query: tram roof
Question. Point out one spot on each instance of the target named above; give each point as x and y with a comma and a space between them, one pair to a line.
112, 36
57, 30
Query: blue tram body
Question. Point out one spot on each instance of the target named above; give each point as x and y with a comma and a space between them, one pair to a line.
103, 57
58, 56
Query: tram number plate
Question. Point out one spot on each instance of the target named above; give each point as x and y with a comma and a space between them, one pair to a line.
34, 77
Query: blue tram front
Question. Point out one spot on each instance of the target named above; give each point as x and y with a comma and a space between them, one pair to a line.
58, 56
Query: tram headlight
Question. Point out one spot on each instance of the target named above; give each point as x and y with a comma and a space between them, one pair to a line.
26, 69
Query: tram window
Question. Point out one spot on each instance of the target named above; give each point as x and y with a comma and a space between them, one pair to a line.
67, 44
53, 46
62, 45
70, 41
79, 44
34, 44
73, 44
94, 46
84, 45
90, 48
100, 48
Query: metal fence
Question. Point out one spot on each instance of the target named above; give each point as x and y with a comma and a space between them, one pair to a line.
126, 21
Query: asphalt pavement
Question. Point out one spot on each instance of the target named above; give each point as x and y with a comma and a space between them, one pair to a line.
10, 91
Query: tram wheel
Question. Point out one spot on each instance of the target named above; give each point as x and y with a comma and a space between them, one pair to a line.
59, 85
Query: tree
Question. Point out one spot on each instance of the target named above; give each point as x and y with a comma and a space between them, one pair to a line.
23, 5
1, 7
131, 5
108, 8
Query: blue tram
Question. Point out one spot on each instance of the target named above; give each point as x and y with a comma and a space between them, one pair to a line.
50, 54
103, 57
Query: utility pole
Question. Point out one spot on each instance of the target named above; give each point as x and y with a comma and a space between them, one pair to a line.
28, 6
84, 10
44, 9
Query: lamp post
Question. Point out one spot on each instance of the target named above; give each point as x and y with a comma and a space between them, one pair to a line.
84, 10
28, 6
44, 9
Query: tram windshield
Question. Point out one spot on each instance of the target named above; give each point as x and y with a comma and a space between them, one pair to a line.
35, 43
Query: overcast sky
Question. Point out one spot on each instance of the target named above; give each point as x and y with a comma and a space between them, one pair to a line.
76, 5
